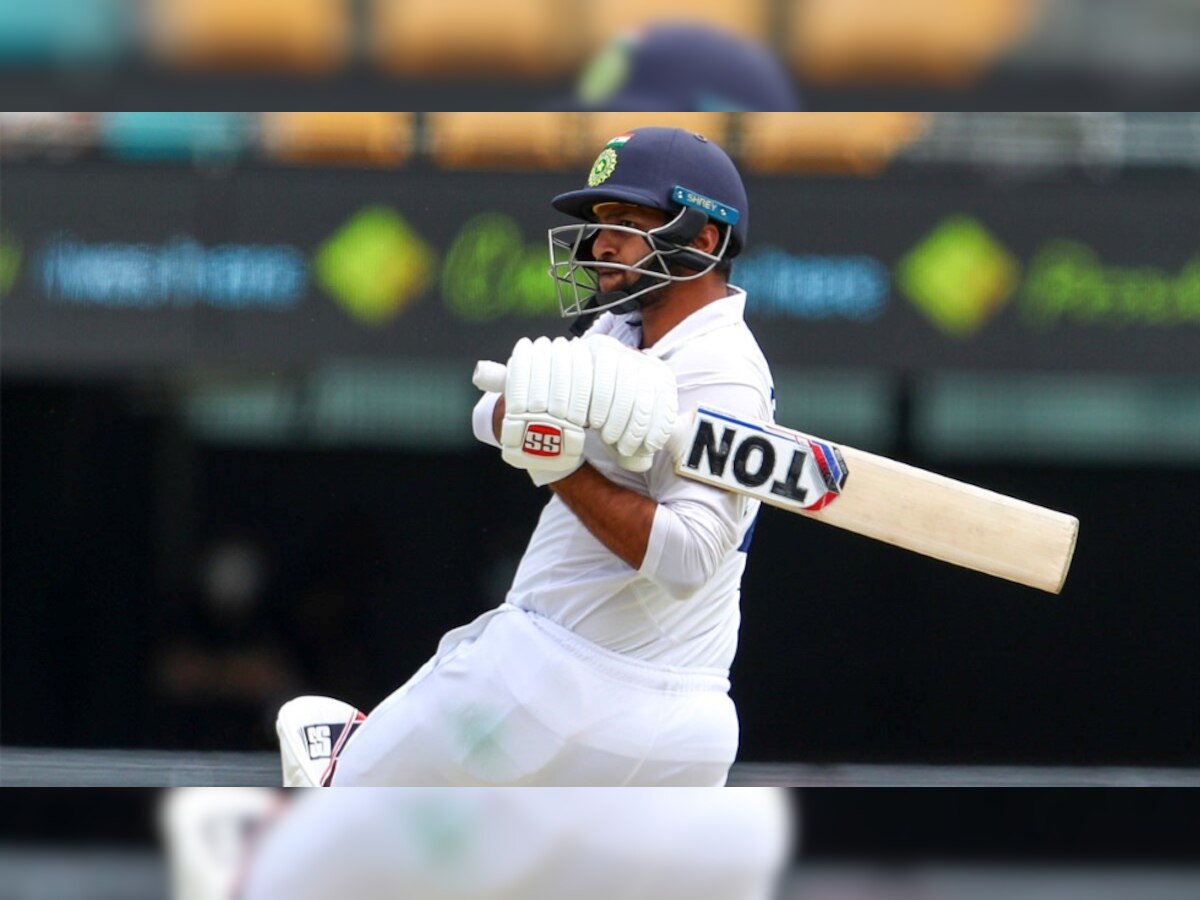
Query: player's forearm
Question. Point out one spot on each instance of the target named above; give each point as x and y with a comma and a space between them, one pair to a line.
619, 518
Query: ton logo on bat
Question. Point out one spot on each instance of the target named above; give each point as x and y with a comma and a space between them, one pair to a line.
752, 459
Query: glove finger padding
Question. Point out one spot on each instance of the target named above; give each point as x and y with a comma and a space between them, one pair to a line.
640, 462
666, 409
615, 381
636, 417
539, 374
622, 406
581, 383
662, 426
662, 418
605, 362
638, 426
558, 397
516, 384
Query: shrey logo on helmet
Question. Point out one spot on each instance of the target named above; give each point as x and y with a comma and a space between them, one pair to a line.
678, 172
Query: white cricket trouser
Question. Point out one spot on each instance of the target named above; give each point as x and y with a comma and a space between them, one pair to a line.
531, 844
515, 699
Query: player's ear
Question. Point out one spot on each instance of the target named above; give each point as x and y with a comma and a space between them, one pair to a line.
708, 239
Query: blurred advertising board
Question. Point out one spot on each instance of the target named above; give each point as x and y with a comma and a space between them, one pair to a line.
105, 267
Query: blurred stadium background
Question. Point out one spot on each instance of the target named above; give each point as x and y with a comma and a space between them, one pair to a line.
237, 465
525, 54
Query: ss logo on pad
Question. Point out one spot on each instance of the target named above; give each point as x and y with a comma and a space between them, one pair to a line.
542, 440
320, 744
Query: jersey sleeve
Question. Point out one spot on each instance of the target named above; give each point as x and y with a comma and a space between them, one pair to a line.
696, 525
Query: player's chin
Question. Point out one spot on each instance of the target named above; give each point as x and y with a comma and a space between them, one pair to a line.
613, 280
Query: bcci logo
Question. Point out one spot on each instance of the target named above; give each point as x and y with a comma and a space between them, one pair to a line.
542, 440
603, 167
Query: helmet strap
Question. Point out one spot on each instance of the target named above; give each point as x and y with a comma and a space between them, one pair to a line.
625, 302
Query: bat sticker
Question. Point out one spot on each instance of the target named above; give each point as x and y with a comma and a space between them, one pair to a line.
779, 465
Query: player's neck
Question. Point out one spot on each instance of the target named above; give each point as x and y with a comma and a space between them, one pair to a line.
678, 301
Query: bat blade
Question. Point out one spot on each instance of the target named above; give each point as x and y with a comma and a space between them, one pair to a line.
880, 498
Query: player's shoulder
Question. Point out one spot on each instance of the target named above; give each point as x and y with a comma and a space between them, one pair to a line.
727, 354
718, 333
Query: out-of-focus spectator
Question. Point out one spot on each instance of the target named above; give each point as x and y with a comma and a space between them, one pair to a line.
200, 136
907, 41
221, 669
65, 33
301, 36
1134, 45
684, 67
55, 135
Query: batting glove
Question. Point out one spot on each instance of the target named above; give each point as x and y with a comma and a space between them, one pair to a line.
546, 397
634, 402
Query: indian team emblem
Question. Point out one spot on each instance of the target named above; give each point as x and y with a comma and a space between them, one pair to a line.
603, 167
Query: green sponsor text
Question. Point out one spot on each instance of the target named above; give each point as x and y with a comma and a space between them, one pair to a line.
10, 262
1068, 282
489, 271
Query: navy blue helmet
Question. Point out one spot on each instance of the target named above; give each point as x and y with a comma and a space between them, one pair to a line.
678, 172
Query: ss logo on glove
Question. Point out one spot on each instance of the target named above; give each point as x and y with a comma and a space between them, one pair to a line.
542, 440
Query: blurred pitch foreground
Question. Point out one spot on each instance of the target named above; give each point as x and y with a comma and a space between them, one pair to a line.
198, 844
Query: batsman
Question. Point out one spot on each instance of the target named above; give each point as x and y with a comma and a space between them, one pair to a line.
608, 661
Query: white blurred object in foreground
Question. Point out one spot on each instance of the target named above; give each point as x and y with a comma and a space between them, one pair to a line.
526, 844
208, 833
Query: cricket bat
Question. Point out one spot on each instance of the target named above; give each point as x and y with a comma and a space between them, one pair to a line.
872, 495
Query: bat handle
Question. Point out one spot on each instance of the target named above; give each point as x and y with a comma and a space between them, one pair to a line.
490, 376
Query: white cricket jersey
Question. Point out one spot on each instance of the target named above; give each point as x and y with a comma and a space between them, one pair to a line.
681, 608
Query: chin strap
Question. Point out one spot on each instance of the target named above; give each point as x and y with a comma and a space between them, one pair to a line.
582, 323
585, 319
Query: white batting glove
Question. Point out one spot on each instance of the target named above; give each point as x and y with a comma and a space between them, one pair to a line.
547, 393
635, 402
